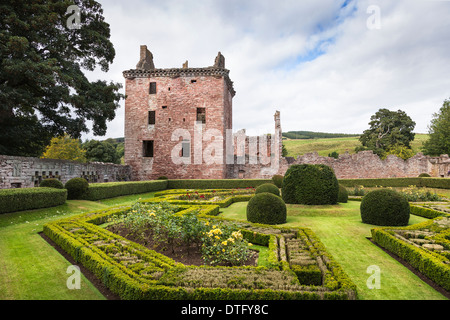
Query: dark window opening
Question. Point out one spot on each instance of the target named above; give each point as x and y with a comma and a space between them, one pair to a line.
152, 89
148, 149
186, 149
164, 107
201, 115
193, 81
151, 117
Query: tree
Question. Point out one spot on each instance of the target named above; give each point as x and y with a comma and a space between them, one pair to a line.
400, 151
387, 129
101, 151
43, 90
439, 131
65, 148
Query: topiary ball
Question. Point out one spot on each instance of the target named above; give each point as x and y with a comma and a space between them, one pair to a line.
268, 187
76, 188
266, 208
385, 207
424, 175
277, 180
343, 194
311, 184
51, 183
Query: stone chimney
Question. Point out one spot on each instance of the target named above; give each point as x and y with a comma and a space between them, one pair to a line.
146, 59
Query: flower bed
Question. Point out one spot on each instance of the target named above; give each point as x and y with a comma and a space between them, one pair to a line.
133, 271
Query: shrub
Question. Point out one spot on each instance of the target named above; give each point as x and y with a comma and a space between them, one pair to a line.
106, 190
76, 188
162, 178
343, 194
266, 208
215, 183
385, 207
268, 187
424, 175
51, 183
277, 180
310, 184
12, 200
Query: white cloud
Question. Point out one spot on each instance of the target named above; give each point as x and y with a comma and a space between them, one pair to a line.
315, 61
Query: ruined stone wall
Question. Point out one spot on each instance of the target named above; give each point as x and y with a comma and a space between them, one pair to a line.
27, 172
362, 165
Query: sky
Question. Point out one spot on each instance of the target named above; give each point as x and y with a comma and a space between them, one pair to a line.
326, 65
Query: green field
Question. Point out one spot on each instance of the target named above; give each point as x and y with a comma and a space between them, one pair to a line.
326, 146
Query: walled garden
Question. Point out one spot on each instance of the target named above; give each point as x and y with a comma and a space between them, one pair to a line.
189, 239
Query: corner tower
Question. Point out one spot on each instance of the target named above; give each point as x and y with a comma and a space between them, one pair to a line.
164, 111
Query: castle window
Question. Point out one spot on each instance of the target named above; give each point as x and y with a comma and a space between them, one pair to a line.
148, 149
152, 88
151, 117
193, 81
186, 149
201, 115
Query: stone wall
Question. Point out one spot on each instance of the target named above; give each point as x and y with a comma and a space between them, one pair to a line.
27, 172
362, 165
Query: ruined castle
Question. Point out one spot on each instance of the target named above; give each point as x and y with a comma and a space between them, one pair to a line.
178, 124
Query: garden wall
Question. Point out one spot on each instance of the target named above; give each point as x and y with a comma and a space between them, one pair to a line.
26, 172
362, 165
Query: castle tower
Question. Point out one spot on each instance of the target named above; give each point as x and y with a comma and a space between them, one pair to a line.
167, 114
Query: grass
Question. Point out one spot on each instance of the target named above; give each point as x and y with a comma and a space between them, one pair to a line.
30, 268
340, 229
326, 146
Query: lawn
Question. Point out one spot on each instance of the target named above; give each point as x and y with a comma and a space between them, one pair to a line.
30, 268
340, 229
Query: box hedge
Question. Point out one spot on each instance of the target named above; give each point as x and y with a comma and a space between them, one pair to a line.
216, 183
136, 273
98, 191
440, 183
12, 200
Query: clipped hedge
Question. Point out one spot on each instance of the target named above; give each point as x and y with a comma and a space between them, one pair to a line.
51, 183
385, 207
216, 183
343, 194
12, 200
136, 273
426, 212
428, 263
98, 191
76, 188
266, 208
310, 184
268, 187
439, 183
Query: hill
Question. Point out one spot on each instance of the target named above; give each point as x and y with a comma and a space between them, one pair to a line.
325, 146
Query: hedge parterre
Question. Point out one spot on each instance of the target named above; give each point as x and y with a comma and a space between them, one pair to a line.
298, 267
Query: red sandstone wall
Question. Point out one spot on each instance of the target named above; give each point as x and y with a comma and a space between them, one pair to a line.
182, 98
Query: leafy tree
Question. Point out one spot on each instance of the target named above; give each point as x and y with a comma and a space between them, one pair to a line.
400, 151
101, 151
65, 148
43, 90
439, 131
387, 129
